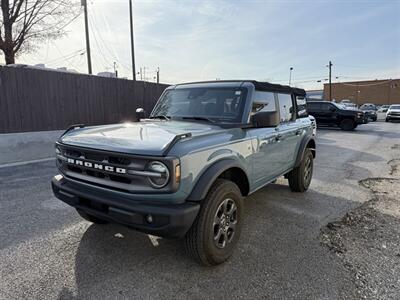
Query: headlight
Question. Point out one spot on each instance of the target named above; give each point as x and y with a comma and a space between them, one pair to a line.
158, 168
58, 151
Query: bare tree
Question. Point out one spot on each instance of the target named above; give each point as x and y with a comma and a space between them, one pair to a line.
26, 23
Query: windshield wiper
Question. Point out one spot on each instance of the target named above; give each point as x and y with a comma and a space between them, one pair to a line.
160, 117
198, 118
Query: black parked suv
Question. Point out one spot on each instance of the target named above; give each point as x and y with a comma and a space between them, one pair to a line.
330, 113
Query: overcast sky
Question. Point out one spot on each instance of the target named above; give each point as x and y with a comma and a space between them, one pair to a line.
203, 40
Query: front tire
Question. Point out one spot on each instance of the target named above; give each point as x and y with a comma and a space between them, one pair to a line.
300, 177
214, 234
347, 124
91, 218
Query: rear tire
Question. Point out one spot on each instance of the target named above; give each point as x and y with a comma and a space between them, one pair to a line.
91, 218
300, 177
347, 124
214, 234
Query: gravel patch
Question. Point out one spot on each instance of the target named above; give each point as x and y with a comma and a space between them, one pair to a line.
367, 239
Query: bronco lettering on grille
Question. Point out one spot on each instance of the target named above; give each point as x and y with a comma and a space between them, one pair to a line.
97, 166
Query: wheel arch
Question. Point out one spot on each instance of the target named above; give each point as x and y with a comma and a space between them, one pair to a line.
305, 143
227, 169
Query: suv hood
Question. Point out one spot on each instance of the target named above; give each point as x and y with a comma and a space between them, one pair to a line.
352, 111
142, 138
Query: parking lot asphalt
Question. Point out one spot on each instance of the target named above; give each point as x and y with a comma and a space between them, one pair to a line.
47, 251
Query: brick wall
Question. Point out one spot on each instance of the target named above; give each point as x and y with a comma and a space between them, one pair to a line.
372, 91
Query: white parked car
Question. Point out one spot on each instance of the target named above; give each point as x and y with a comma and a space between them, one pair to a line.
393, 112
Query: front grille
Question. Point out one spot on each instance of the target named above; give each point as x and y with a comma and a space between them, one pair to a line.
118, 171
102, 177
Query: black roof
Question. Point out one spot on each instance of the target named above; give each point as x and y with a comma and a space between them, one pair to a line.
266, 86
259, 85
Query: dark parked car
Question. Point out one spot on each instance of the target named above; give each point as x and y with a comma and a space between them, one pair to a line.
370, 111
329, 113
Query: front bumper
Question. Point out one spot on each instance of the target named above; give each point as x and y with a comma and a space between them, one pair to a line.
170, 221
361, 120
393, 117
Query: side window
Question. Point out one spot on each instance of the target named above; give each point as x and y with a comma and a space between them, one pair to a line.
327, 107
301, 107
263, 101
313, 106
286, 108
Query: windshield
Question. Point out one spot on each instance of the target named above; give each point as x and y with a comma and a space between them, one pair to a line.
368, 107
395, 107
339, 105
212, 104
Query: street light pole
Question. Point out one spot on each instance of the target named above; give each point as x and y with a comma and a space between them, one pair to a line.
132, 45
330, 80
290, 75
89, 60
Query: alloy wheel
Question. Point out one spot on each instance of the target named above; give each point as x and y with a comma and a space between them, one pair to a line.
224, 224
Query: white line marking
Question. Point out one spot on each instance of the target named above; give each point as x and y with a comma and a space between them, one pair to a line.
21, 163
154, 240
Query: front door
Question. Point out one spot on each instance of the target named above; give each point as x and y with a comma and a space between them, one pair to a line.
265, 143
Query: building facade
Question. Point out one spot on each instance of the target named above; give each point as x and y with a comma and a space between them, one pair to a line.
371, 91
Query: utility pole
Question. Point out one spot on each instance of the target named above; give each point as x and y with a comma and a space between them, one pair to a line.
158, 75
290, 75
115, 70
89, 59
132, 45
330, 80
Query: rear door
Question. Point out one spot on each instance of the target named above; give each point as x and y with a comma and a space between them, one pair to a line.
314, 109
329, 113
289, 132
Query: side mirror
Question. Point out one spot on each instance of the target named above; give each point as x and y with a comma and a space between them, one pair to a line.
140, 113
265, 119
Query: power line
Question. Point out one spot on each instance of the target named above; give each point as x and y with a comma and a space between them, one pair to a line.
105, 61
66, 56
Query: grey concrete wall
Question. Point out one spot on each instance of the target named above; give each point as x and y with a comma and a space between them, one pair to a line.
26, 146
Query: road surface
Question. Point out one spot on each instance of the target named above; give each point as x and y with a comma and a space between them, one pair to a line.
48, 251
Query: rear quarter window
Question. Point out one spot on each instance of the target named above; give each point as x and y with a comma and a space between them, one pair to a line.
263, 101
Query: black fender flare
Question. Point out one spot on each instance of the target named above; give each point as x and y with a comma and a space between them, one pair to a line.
204, 183
303, 145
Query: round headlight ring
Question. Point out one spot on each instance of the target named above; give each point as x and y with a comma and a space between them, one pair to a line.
158, 167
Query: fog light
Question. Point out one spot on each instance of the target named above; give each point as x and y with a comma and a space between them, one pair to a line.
149, 219
58, 177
